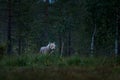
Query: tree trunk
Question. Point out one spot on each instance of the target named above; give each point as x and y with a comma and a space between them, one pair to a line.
69, 41
93, 39
19, 45
116, 37
62, 47
116, 41
119, 39
60, 40
46, 8
46, 26
9, 46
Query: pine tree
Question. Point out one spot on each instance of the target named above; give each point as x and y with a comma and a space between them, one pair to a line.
9, 40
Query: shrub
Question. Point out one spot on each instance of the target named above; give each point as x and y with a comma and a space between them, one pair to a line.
74, 60
2, 49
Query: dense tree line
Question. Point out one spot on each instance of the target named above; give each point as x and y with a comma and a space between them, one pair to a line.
77, 26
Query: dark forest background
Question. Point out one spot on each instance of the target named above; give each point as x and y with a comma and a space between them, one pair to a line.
85, 27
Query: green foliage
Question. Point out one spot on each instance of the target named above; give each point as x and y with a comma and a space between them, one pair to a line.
2, 49
37, 66
33, 28
27, 60
37, 60
73, 60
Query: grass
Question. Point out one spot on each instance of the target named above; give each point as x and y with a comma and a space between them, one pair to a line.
53, 60
54, 67
60, 73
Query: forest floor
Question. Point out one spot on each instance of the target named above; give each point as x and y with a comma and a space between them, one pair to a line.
56, 73
68, 69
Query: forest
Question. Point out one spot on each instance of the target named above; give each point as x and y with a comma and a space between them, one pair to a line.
59, 39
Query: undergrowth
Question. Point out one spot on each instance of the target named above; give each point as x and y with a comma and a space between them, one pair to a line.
37, 60
55, 67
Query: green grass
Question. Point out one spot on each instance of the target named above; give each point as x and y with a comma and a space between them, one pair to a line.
55, 67
37, 60
31, 60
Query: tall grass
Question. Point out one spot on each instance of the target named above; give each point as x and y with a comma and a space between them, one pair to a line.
55, 67
37, 60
